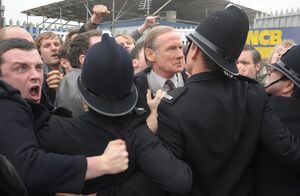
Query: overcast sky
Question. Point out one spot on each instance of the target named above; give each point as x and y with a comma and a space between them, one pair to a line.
14, 7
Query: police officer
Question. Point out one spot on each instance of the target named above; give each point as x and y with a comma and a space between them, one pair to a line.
216, 121
283, 85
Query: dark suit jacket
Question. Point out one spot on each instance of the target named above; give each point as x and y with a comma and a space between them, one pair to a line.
141, 82
214, 124
274, 177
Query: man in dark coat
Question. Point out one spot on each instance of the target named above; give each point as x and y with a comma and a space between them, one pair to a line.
42, 173
216, 121
283, 84
106, 84
164, 56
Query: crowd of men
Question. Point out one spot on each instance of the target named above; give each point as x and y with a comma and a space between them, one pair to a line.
115, 116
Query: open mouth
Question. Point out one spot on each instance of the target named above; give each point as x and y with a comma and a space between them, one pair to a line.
35, 92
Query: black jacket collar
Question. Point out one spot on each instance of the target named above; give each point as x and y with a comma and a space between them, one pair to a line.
205, 76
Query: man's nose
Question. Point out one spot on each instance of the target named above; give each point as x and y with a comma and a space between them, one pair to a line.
53, 47
35, 74
180, 52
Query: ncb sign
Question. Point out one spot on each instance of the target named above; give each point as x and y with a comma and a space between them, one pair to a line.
265, 39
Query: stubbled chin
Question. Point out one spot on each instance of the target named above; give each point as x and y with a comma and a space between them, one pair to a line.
36, 98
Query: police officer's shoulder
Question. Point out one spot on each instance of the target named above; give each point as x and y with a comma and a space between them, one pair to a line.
174, 95
139, 111
247, 79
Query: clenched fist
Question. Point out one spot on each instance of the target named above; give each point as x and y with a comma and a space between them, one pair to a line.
115, 157
54, 78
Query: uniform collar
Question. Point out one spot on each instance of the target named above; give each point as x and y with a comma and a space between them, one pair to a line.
205, 76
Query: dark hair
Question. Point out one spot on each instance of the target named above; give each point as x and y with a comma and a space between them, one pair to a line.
136, 50
63, 50
12, 43
209, 63
93, 32
256, 57
296, 92
71, 33
78, 46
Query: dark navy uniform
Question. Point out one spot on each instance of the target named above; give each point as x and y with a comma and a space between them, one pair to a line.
89, 135
215, 124
274, 177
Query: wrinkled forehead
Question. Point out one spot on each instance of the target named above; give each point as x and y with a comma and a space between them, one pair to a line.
168, 38
17, 55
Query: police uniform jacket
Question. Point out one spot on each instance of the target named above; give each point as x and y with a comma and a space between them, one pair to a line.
274, 177
89, 135
214, 124
42, 173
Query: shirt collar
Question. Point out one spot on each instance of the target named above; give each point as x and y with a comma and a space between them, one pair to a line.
161, 80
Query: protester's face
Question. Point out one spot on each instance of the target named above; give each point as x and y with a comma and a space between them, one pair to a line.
49, 48
274, 75
24, 71
168, 55
125, 42
246, 65
139, 64
279, 51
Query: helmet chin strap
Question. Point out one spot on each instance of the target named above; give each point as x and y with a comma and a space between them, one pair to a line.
274, 82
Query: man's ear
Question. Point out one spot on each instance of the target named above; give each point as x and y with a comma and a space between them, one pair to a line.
257, 67
63, 62
194, 50
150, 54
81, 59
288, 87
135, 63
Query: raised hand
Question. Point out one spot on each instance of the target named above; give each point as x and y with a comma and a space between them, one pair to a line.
99, 12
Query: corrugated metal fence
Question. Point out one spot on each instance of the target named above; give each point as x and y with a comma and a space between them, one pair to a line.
288, 18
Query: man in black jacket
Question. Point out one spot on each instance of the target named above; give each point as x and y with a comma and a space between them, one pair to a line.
43, 173
283, 84
217, 120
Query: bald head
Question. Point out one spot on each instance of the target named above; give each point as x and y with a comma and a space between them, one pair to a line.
15, 32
